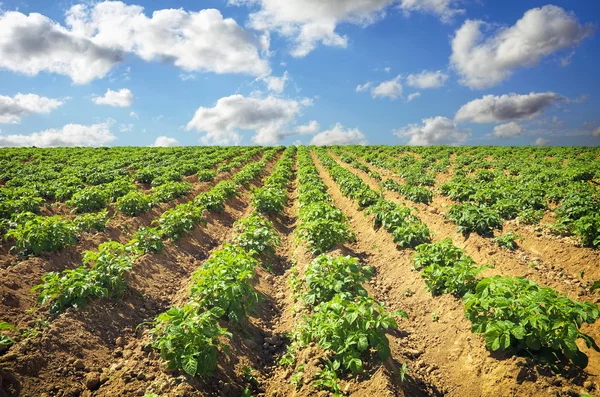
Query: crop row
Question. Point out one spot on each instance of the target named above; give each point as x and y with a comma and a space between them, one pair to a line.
514, 314
189, 337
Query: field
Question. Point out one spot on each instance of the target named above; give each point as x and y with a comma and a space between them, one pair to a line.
272, 271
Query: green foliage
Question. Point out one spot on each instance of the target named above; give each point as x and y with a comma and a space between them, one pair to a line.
102, 275
530, 216
189, 338
508, 241
473, 218
269, 200
327, 276
34, 234
88, 199
517, 314
92, 221
411, 235
134, 203
588, 229
169, 191
205, 175
175, 222
147, 240
6, 340
446, 268
256, 235
223, 282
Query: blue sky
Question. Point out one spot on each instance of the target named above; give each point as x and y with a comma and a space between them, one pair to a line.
194, 76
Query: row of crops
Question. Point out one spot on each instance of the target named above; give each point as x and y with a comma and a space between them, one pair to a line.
337, 320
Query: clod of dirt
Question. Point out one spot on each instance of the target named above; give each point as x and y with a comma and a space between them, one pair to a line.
92, 381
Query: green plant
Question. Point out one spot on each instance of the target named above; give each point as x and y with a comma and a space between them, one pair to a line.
92, 221
588, 229
446, 268
205, 175
188, 338
169, 191
256, 235
404, 369
474, 218
88, 199
103, 277
508, 241
34, 234
327, 276
147, 240
516, 313
5, 340
134, 203
175, 222
411, 235
223, 282
269, 200
530, 216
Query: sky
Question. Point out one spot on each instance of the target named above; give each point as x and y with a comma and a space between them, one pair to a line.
270, 72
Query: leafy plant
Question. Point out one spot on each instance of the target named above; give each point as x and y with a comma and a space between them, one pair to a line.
269, 200
134, 203
223, 282
88, 199
516, 313
34, 234
189, 338
147, 240
588, 229
474, 218
171, 190
327, 276
411, 234
256, 235
102, 275
508, 241
175, 222
5, 340
92, 221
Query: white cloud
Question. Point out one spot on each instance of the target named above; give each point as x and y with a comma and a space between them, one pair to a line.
508, 130
388, 69
311, 128
269, 117
126, 127
541, 141
338, 135
33, 43
427, 79
69, 135
97, 36
187, 76
13, 108
122, 98
434, 131
165, 141
391, 89
363, 87
596, 132
486, 61
134, 115
490, 108
441, 8
276, 84
413, 96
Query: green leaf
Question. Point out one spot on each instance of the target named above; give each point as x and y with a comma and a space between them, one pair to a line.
190, 366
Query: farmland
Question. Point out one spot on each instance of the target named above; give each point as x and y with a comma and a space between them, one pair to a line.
344, 270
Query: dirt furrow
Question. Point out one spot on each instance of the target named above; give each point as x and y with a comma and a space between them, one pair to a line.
438, 343
99, 341
519, 263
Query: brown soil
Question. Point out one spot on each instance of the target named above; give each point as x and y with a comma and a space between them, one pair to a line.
94, 341
518, 263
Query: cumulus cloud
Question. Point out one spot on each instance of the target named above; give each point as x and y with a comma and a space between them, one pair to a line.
13, 108
486, 61
270, 117
427, 79
69, 135
276, 84
434, 131
122, 98
311, 128
496, 109
444, 9
541, 142
97, 36
363, 87
33, 43
412, 96
309, 23
165, 141
391, 89
134, 115
338, 135
508, 130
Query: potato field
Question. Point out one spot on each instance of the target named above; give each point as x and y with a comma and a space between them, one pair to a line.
300, 271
